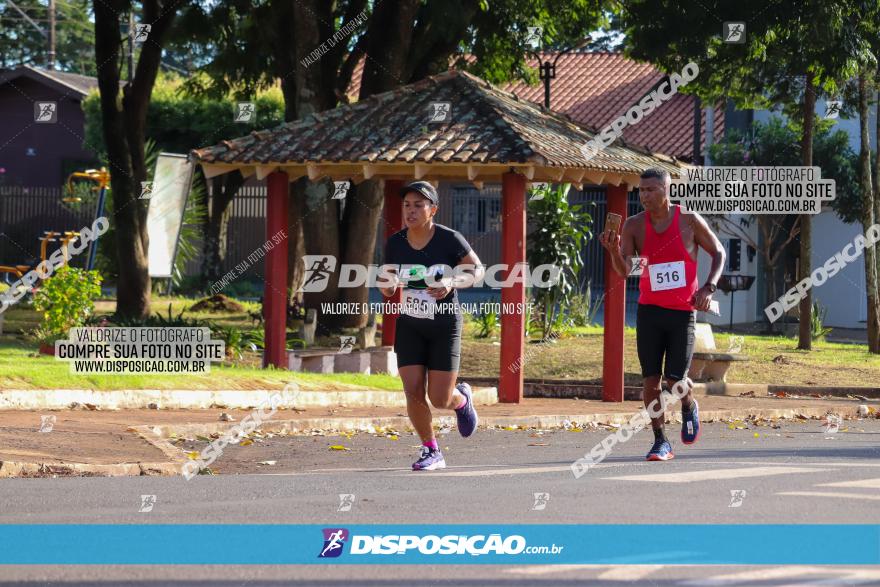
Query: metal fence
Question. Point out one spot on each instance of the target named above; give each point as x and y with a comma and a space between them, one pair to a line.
26, 213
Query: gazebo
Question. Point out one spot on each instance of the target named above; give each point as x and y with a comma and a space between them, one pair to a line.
486, 135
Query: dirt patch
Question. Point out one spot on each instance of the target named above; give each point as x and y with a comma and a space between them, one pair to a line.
217, 303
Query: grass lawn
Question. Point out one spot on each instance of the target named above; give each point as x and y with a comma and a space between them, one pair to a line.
580, 357
577, 355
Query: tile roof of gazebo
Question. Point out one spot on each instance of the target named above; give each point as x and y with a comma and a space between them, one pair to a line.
488, 132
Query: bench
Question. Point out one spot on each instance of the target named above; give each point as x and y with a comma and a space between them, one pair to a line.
708, 363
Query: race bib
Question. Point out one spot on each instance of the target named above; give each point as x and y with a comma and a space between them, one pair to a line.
418, 304
667, 275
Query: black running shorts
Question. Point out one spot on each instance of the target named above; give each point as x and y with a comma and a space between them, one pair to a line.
661, 331
436, 344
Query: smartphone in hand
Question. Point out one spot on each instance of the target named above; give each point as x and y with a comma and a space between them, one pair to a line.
612, 222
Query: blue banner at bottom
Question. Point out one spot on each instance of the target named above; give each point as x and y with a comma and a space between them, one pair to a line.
253, 544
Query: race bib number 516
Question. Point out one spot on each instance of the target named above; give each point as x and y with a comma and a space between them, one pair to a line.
667, 275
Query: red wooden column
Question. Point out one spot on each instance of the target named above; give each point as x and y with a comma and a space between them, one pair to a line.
393, 215
513, 251
615, 311
275, 287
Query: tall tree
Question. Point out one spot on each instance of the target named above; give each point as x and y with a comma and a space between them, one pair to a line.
124, 120
867, 196
792, 52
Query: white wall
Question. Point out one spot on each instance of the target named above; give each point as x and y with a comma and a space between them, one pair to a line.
844, 294
849, 125
743, 301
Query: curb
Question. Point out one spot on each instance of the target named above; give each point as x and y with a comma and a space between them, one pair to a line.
20, 469
200, 399
365, 424
158, 435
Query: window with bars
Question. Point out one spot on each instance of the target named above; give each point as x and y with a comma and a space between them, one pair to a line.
475, 213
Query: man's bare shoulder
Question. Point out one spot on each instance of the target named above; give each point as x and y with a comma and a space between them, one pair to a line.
635, 222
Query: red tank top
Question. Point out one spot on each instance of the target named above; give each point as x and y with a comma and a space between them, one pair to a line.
667, 257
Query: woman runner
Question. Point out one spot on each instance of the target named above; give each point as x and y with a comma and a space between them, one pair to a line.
428, 332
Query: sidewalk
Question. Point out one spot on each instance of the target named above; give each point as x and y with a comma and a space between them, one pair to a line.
134, 442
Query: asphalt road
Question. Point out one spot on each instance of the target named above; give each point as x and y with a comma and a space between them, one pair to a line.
796, 473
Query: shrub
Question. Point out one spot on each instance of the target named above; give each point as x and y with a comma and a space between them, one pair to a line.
66, 300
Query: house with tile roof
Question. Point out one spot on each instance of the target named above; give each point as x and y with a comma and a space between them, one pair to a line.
37, 153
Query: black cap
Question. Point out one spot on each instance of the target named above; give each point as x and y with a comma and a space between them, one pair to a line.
423, 188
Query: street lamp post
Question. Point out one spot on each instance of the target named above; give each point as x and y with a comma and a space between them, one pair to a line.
547, 69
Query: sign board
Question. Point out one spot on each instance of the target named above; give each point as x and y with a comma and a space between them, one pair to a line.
167, 195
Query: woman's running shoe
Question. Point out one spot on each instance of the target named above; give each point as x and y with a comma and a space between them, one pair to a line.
430, 459
466, 416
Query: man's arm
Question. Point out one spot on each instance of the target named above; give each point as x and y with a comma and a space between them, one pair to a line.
621, 247
706, 240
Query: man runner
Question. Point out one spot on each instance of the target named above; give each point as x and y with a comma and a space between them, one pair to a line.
428, 331
668, 295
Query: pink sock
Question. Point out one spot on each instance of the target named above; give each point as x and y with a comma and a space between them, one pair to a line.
463, 402
432, 444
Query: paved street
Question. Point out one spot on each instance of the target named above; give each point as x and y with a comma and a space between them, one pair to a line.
796, 473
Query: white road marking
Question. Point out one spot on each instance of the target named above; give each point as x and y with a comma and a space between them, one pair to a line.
629, 573
715, 474
508, 471
829, 576
869, 496
864, 483
613, 572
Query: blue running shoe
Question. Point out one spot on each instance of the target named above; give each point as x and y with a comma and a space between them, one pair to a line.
661, 451
466, 416
430, 459
690, 424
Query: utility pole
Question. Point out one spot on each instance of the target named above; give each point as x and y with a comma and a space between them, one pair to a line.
51, 64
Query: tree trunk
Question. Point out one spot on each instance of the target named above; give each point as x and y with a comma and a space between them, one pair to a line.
770, 277
295, 244
867, 194
805, 267
123, 129
217, 224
